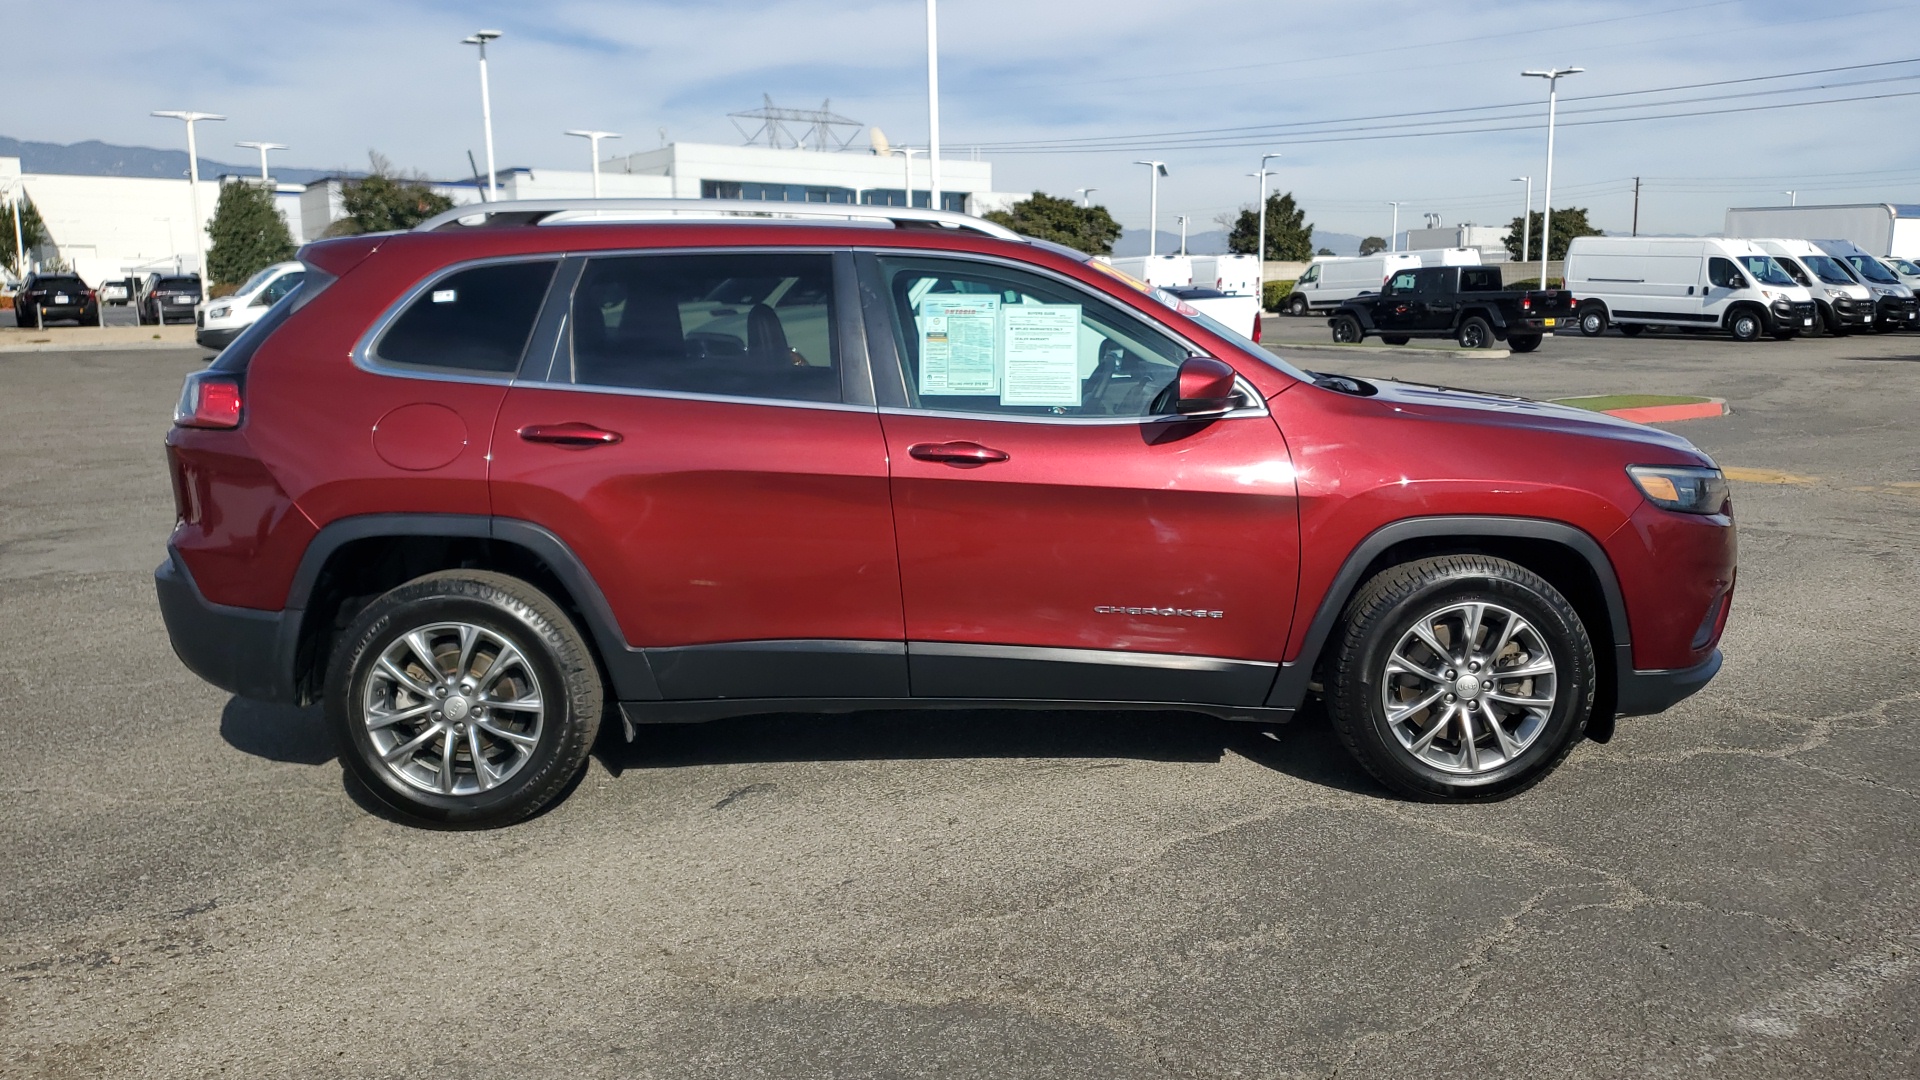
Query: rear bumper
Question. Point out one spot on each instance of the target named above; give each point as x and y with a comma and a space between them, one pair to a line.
240, 650
1643, 693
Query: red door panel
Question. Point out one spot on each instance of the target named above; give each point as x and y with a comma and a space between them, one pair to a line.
1053, 544
709, 521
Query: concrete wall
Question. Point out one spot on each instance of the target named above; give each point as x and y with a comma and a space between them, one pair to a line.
113, 226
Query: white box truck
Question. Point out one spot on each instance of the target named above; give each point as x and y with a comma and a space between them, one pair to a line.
1235, 275
1698, 283
1165, 271
1882, 229
1331, 280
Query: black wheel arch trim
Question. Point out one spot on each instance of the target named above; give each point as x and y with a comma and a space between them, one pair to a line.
1290, 685
627, 667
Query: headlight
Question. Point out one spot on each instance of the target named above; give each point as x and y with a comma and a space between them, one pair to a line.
218, 312
1686, 489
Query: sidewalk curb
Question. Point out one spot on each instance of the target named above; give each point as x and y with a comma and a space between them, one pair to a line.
1662, 414
1401, 350
105, 346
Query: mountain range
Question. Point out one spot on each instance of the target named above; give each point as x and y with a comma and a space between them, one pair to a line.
96, 158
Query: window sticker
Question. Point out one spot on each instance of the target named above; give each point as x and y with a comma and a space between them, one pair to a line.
1042, 354
445, 296
958, 338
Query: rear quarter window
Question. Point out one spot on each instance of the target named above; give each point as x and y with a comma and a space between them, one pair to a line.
475, 320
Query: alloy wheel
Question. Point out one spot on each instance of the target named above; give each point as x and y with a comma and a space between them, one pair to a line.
1469, 687
453, 708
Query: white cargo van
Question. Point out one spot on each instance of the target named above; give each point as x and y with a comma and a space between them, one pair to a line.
1705, 283
1235, 275
1844, 304
1166, 271
1894, 306
1331, 280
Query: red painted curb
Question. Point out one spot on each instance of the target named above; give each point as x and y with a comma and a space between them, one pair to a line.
1661, 414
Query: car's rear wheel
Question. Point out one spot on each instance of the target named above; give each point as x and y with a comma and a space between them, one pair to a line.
1476, 334
464, 698
1631, 329
1523, 342
1346, 329
1297, 306
1460, 677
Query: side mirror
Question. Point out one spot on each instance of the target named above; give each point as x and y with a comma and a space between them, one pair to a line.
1204, 387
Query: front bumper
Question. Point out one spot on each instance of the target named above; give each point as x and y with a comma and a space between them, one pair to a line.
1643, 693
1898, 312
243, 651
1849, 312
215, 339
1789, 317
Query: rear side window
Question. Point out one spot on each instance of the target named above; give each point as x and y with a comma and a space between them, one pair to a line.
1479, 281
473, 320
748, 325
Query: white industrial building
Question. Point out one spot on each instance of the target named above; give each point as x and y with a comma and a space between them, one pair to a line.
1490, 240
113, 226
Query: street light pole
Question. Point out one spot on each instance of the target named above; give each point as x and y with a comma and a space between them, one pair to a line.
1260, 212
263, 147
593, 150
480, 38
1155, 170
933, 108
1526, 218
193, 183
1086, 196
1393, 238
1553, 77
907, 152
1182, 219
1793, 197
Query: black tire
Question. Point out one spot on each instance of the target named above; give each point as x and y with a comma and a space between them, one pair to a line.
1632, 329
1384, 612
563, 673
1475, 334
1785, 335
1395, 339
1523, 343
20, 317
1882, 326
1297, 306
1346, 330
1745, 324
1593, 320
1829, 323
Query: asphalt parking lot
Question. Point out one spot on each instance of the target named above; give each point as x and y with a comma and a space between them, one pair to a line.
188, 888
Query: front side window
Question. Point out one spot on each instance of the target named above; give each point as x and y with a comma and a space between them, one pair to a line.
473, 320
1794, 271
981, 338
747, 325
1828, 270
1312, 275
1401, 283
1722, 273
1764, 270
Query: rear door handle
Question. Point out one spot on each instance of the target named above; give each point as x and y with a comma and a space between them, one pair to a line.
575, 435
962, 453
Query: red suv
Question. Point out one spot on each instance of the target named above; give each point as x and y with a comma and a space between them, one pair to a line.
475, 485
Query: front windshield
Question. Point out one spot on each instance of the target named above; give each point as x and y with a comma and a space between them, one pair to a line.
1905, 266
1827, 270
1764, 269
257, 280
1870, 268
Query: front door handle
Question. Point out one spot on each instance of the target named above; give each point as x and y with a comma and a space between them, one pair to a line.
962, 453
574, 435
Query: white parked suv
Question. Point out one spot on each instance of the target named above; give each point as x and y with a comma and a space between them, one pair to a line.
220, 321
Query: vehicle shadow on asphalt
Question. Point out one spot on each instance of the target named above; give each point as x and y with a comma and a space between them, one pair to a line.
277, 732
1306, 748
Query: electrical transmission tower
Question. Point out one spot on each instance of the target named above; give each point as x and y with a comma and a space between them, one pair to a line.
819, 129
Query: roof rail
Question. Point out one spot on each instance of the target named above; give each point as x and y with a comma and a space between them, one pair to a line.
536, 211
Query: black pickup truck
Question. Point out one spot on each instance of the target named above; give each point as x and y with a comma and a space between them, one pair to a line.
1466, 303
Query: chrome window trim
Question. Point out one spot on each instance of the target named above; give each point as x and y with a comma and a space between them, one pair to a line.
682, 395
366, 358
1258, 406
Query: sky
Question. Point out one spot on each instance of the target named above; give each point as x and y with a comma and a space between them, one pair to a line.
1057, 94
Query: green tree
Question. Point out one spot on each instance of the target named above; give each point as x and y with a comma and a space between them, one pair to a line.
248, 233
1372, 245
32, 229
1567, 224
386, 201
1289, 237
1324, 251
1046, 217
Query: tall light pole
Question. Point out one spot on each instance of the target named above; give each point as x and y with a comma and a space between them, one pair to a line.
1526, 219
263, 147
1155, 170
1260, 213
1393, 238
907, 153
1553, 77
193, 183
1793, 197
1182, 219
593, 150
1086, 196
933, 109
480, 38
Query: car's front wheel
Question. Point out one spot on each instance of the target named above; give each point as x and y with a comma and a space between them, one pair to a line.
1745, 325
1297, 306
1460, 677
464, 698
1523, 343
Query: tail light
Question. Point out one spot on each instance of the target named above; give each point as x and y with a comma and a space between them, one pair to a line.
1256, 327
1526, 303
210, 399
